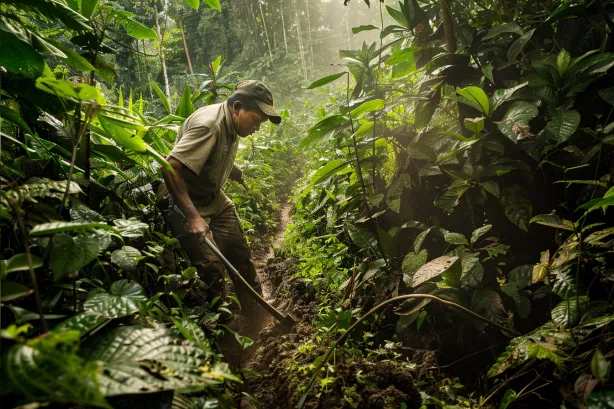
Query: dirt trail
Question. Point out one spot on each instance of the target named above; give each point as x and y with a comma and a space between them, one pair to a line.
254, 318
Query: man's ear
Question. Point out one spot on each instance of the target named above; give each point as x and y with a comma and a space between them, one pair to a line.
236, 107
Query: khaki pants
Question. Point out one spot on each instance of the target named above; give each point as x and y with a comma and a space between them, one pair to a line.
226, 232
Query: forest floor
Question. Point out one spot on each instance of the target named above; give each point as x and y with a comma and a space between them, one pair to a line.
280, 362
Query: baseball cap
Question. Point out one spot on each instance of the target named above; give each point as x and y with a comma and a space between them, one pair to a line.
262, 95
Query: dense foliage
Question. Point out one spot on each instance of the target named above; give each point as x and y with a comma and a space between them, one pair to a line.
462, 156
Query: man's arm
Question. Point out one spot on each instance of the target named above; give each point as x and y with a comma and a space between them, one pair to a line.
194, 224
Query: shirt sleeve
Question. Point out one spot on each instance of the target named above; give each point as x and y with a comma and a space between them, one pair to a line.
195, 147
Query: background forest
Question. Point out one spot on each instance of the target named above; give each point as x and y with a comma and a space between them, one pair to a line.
450, 167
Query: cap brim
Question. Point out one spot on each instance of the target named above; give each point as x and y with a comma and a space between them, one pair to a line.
269, 111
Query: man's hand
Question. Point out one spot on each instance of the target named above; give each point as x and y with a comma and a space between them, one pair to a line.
196, 227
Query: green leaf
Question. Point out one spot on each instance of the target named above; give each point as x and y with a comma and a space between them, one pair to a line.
70, 254
214, 4
566, 285
477, 98
488, 304
10, 290
451, 196
127, 258
412, 263
124, 298
523, 305
568, 313
134, 28
356, 30
479, 232
607, 94
563, 125
432, 269
45, 229
185, 107
88, 7
398, 16
553, 220
19, 57
325, 80
508, 397
517, 46
503, 28
420, 239
329, 170
395, 191
369, 106
121, 135
562, 61
363, 238
515, 123
521, 275
84, 323
517, 206
600, 367
131, 227
19, 262
456, 239
320, 131
58, 10
402, 56
472, 272
546, 350
600, 400
444, 60
139, 360
165, 103
505, 94
195, 4
516, 353
11, 115
47, 369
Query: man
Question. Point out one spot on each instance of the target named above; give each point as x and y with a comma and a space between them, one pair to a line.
203, 159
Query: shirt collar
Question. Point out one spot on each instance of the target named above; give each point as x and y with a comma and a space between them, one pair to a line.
228, 119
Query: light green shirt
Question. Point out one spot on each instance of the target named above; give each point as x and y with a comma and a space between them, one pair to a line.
207, 146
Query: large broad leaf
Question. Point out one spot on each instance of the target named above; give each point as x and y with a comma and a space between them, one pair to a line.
412, 263
127, 258
369, 106
326, 80
134, 28
432, 269
503, 28
44, 229
516, 353
517, 206
143, 360
363, 238
479, 232
517, 46
488, 304
69, 254
320, 131
455, 239
546, 350
88, 7
19, 57
58, 10
393, 196
330, 169
131, 227
553, 220
84, 323
515, 123
505, 94
185, 107
10, 290
563, 125
566, 285
473, 271
19, 262
521, 275
124, 298
477, 98
121, 135
568, 312
214, 4
12, 115
47, 369
195, 4
523, 305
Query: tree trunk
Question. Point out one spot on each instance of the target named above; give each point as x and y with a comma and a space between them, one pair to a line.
309, 31
448, 27
185, 46
162, 58
266, 32
283, 26
300, 44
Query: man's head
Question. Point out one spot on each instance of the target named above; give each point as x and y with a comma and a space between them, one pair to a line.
251, 105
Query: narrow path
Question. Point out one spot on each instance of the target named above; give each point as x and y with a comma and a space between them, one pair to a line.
253, 318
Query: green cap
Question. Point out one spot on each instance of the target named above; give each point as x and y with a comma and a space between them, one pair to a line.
263, 96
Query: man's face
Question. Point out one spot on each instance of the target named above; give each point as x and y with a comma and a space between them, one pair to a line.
248, 122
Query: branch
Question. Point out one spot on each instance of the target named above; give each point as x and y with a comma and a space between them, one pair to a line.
378, 307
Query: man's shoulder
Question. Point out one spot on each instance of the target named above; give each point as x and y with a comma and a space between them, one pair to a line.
209, 116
